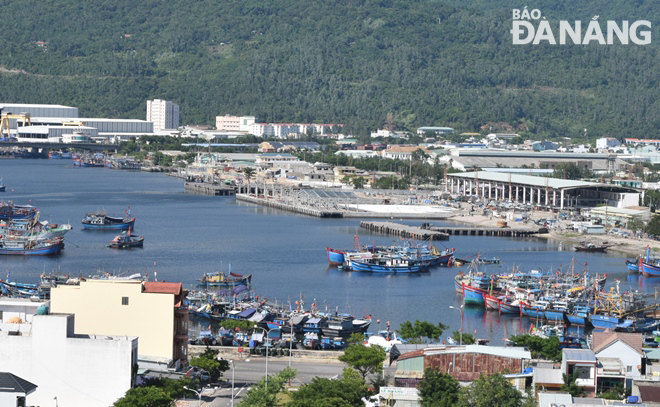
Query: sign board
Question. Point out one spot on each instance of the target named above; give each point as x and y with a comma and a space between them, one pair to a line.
241, 350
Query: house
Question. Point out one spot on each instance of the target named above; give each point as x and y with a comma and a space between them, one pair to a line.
402, 152
621, 358
607, 143
435, 130
284, 146
76, 369
582, 361
152, 311
14, 390
268, 160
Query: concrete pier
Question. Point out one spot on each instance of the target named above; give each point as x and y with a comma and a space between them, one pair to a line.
488, 231
208, 189
409, 232
305, 210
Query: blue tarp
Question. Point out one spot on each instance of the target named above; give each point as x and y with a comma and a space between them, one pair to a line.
246, 313
625, 324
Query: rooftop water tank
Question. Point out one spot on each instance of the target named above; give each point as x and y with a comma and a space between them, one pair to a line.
42, 309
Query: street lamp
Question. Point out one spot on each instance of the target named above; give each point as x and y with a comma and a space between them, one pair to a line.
266, 331
290, 342
460, 309
198, 393
232, 381
449, 368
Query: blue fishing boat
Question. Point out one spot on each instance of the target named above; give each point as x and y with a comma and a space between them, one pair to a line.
579, 315
102, 221
388, 265
29, 247
605, 321
633, 267
535, 310
8, 210
2, 186
510, 307
649, 270
335, 257
473, 295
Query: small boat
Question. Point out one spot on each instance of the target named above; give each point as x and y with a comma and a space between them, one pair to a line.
9, 210
492, 303
3, 187
101, 220
649, 270
633, 266
592, 248
220, 279
28, 247
126, 241
510, 307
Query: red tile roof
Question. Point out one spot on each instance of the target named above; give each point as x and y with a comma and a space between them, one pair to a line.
162, 288
602, 340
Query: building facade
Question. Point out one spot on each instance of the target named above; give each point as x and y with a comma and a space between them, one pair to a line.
164, 114
234, 123
79, 370
148, 310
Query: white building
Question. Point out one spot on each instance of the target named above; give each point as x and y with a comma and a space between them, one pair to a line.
436, 130
164, 114
262, 130
234, 123
104, 126
607, 142
39, 110
14, 390
53, 134
78, 370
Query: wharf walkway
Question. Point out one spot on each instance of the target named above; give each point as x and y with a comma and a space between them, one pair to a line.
208, 189
443, 233
397, 229
305, 210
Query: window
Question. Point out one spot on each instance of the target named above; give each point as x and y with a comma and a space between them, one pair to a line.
629, 369
124, 300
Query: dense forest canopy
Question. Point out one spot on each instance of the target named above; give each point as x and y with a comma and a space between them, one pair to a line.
429, 63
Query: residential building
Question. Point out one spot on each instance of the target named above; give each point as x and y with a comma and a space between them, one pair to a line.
75, 370
284, 146
267, 160
235, 123
286, 130
402, 152
164, 114
436, 130
636, 142
149, 310
625, 347
389, 133
14, 390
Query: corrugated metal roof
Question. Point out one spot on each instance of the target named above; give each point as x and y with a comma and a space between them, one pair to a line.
546, 399
528, 180
503, 351
578, 355
584, 401
548, 376
652, 353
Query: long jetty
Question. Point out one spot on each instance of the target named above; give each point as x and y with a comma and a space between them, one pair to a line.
409, 232
208, 189
443, 233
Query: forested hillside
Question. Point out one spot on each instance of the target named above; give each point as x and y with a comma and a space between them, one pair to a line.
444, 63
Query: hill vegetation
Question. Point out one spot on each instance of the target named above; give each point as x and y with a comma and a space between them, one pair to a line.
444, 63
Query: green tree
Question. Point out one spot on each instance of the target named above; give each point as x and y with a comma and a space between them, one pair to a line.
173, 388
355, 338
366, 360
465, 339
421, 331
490, 391
209, 362
570, 384
615, 393
545, 348
653, 227
570, 171
346, 391
145, 397
248, 173
438, 389
264, 394
635, 224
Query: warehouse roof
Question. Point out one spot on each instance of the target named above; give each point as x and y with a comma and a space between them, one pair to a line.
6, 105
555, 183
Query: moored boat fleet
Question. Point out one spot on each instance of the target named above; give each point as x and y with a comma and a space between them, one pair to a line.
560, 298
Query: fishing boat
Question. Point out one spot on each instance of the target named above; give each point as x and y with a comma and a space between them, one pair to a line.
634, 266
3, 187
592, 248
513, 307
649, 270
579, 315
100, 220
28, 247
220, 279
492, 303
126, 241
389, 265
344, 326
8, 210
33, 228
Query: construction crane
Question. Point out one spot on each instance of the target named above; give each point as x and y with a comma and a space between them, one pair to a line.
5, 128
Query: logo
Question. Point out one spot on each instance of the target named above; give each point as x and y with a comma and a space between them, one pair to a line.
524, 31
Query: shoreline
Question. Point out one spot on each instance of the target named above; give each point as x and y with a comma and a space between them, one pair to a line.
631, 246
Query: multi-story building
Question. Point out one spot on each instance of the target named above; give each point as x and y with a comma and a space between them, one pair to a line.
91, 370
234, 123
164, 114
149, 310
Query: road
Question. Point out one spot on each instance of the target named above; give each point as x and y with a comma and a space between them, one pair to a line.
250, 370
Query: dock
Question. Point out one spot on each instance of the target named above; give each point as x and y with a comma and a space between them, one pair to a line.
405, 231
206, 188
305, 210
443, 233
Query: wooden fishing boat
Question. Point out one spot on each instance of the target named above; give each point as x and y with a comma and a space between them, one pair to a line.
28, 247
592, 248
492, 303
389, 265
220, 279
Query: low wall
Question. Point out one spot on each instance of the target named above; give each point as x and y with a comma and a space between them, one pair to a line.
231, 352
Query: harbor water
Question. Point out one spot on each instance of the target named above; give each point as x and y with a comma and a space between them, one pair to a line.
187, 235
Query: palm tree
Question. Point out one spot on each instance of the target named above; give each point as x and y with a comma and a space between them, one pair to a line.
248, 172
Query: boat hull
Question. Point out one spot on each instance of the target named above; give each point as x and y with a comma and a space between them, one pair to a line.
578, 319
633, 267
49, 250
604, 321
110, 226
492, 303
335, 257
375, 268
509, 308
473, 296
649, 270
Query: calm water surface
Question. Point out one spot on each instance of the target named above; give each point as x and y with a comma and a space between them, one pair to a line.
187, 235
